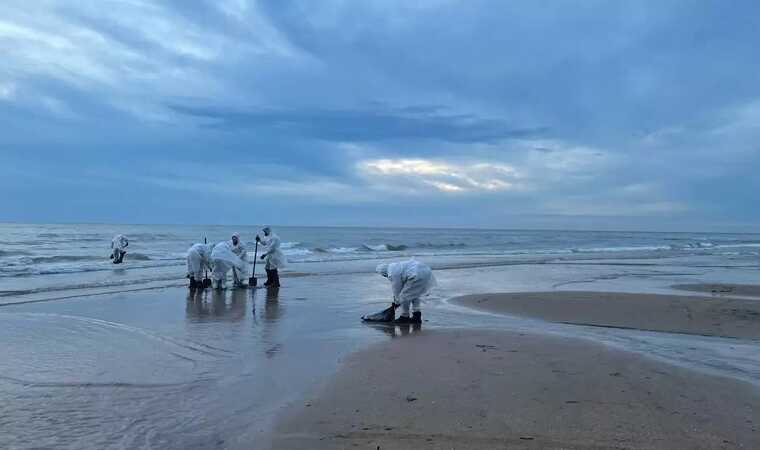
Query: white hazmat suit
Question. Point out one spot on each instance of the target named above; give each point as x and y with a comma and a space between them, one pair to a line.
410, 280
119, 245
226, 256
198, 259
273, 256
239, 249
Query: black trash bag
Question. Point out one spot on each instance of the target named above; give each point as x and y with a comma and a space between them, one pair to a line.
386, 315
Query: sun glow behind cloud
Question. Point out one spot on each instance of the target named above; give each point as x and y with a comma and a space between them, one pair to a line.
448, 177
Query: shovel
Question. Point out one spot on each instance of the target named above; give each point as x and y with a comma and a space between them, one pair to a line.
252, 281
206, 279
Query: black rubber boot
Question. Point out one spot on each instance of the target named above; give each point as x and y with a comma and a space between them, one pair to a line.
269, 278
404, 319
417, 317
276, 278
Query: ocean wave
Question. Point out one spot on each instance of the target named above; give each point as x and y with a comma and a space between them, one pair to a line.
58, 259
297, 251
692, 245
440, 245
150, 236
92, 285
30, 270
383, 247
343, 250
4, 253
374, 248
76, 258
642, 248
740, 245
289, 245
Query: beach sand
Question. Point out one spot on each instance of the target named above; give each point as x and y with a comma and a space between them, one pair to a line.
726, 317
496, 390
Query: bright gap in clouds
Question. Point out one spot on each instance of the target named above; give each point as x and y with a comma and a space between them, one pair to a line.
444, 176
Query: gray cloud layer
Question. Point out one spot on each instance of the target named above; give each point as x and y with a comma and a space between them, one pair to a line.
600, 114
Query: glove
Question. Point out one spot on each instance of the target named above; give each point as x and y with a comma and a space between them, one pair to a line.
263, 256
258, 239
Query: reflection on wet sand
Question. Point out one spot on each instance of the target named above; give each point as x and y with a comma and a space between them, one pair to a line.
396, 330
214, 305
271, 317
272, 309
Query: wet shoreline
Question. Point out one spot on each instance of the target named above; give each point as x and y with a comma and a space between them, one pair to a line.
235, 360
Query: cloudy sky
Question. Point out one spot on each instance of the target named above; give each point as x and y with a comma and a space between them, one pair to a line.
555, 114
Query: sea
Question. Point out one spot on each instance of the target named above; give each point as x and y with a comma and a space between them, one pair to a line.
97, 355
49, 261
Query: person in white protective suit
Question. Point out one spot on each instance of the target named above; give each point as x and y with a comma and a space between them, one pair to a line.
119, 245
198, 259
410, 280
273, 256
228, 255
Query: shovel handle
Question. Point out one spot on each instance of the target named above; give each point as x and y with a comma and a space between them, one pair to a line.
255, 257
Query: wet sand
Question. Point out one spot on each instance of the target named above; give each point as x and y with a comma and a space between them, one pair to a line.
493, 390
743, 290
726, 317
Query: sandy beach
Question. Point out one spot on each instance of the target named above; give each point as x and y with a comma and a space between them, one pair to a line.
478, 389
726, 317
487, 390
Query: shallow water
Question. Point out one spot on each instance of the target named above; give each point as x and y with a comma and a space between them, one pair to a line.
161, 368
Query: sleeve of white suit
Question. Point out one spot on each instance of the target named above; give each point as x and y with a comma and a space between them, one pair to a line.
273, 244
243, 253
397, 284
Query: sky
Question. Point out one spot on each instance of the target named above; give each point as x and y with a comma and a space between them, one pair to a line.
641, 115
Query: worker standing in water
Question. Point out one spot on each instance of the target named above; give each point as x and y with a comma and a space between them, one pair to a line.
410, 280
119, 245
272, 255
198, 259
228, 255
238, 248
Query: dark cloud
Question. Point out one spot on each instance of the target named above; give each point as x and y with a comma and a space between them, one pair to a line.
357, 125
